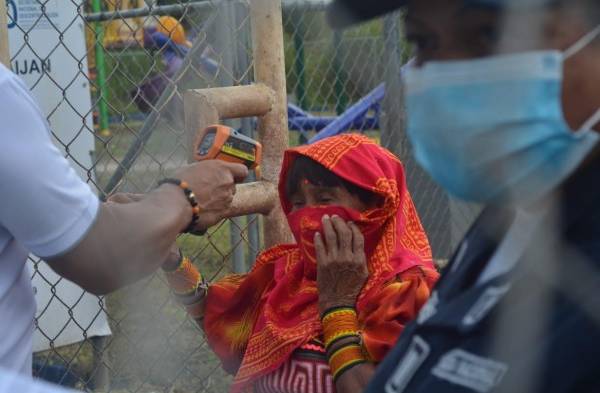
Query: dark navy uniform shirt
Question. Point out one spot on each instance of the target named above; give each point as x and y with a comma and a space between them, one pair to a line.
533, 329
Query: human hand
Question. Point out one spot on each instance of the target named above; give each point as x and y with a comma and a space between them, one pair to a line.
341, 263
213, 183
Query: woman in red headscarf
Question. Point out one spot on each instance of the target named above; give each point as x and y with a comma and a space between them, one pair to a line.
318, 315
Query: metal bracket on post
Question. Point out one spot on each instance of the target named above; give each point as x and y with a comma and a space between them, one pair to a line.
268, 101
269, 69
209, 106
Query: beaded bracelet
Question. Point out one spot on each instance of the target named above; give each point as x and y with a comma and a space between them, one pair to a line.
345, 358
188, 286
185, 279
339, 323
191, 197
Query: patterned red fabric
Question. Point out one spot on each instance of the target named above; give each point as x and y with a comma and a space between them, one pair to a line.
254, 322
298, 375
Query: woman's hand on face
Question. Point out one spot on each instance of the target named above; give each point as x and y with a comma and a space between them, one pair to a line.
341, 263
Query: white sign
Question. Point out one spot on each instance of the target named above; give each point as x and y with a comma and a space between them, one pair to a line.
28, 14
52, 61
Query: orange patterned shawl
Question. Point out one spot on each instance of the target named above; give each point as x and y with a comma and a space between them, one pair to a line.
254, 322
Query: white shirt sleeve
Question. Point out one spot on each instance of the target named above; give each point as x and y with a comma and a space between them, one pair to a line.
44, 204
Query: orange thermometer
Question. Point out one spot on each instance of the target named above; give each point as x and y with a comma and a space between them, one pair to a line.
224, 143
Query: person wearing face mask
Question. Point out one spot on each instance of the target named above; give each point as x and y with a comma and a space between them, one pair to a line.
316, 316
502, 103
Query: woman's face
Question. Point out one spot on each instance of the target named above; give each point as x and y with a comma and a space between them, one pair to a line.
312, 195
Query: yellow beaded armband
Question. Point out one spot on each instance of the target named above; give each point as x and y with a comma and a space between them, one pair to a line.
345, 358
185, 279
339, 323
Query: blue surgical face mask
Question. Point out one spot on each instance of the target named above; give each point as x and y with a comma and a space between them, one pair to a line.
492, 130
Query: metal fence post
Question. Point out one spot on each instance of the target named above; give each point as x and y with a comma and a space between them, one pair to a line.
225, 45
269, 68
4, 48
242, 64
101, 73
392, 117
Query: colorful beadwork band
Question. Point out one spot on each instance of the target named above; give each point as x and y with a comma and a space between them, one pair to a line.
345, 358
339, 323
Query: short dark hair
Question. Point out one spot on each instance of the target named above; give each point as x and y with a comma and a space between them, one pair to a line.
304, 168
592, 8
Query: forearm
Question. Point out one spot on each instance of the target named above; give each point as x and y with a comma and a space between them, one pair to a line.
131, 240
188, 286
127, 241
355, 379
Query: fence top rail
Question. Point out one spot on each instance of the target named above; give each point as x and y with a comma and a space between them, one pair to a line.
288, 5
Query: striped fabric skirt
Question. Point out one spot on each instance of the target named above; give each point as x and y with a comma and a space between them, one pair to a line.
307, 371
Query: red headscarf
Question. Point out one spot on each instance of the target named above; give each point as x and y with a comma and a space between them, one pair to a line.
255, 321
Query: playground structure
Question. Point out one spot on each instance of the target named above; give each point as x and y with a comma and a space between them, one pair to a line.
164, 34
118, 33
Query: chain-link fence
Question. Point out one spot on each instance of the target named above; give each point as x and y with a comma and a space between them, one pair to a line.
134, 59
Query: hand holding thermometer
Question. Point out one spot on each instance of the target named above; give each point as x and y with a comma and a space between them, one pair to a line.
218, 142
